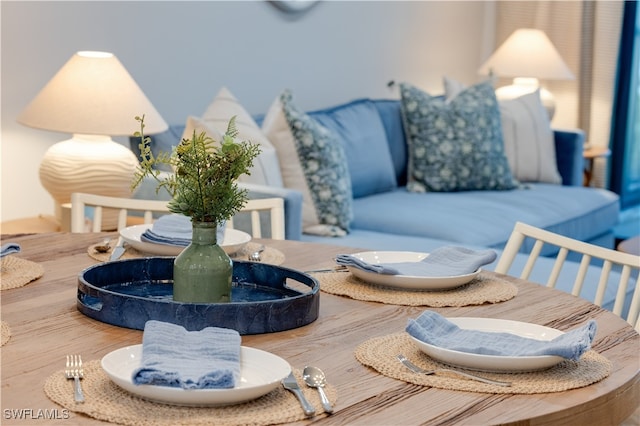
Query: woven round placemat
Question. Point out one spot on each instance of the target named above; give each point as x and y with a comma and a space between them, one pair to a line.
380, 353
104, 400
269, 255
16, 272
483, 289
5, 333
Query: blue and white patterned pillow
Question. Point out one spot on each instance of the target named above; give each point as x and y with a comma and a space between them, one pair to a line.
456, 145
313, 161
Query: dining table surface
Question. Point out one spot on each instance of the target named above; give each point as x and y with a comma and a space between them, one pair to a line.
46, 326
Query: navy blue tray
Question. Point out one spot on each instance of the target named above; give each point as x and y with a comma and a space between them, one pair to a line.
265, 298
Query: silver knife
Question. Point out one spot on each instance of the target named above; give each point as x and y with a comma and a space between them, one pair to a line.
118, 250
290, 383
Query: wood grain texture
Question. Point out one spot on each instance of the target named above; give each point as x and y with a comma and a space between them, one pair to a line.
46, 326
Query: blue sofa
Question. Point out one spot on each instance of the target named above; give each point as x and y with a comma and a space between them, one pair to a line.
388, 217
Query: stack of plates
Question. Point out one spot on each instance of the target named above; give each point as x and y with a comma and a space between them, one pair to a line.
260, 371
233, 242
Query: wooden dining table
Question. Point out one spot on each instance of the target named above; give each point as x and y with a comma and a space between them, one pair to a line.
46, 326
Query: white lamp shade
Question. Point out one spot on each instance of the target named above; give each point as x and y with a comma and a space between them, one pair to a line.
527, 53
92, 94
93, 97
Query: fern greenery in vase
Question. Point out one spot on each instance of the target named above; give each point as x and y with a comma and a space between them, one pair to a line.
203, 187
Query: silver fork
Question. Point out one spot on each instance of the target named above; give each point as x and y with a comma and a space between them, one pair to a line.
411, 366
74, 371
255, 256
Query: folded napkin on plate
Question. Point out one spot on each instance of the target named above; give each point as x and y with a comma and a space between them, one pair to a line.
173, 230
173, 356
434, 329
9, 248
442, 262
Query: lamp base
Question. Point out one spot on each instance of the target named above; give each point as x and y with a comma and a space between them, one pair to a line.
88, 163
523, 86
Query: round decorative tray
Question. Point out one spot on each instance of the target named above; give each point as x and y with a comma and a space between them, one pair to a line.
265, 298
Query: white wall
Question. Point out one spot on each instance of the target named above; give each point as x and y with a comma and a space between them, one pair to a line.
181, 53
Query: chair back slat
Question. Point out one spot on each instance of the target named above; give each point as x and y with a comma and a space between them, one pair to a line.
96, 225
274, 207
585, 263
557, 267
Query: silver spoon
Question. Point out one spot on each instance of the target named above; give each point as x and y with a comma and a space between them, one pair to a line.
255, 256
104, 247
314, 377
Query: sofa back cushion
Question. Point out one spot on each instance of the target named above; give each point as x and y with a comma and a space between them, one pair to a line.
391, 116
362, 133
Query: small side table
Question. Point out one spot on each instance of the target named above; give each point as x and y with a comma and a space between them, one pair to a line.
590, 154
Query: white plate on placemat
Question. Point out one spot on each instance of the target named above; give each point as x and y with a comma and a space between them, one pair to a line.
495, 362
233, 242
260, 373
405, 281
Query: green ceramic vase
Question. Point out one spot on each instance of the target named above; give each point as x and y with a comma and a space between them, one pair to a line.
202, 272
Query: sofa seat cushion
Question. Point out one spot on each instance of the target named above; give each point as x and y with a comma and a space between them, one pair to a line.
359, 128
373, 240
486, 218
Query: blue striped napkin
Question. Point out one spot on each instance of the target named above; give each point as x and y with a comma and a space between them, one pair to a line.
443, 262
9, 248
174, 230
432, 328
173, 356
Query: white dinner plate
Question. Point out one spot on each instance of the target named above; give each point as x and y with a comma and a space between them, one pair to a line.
496, 362
405, 281
233, 242
260, 373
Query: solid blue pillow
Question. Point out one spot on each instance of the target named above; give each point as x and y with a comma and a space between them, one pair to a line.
361, 132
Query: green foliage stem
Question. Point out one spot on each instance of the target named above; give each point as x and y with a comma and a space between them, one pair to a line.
204, 185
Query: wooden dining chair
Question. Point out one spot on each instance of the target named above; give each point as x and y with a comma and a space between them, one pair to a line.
255, 208
629, 264
123, 206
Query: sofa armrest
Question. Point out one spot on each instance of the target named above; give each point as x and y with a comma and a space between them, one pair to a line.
292, 201
569, 148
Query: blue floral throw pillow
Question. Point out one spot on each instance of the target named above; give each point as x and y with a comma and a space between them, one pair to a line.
313, 161
455, 145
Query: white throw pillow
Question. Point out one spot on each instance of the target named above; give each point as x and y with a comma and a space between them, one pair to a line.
312, 161
266, 169
528, 138
198, 125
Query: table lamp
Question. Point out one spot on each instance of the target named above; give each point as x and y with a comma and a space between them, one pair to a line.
92, 97
527, 56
